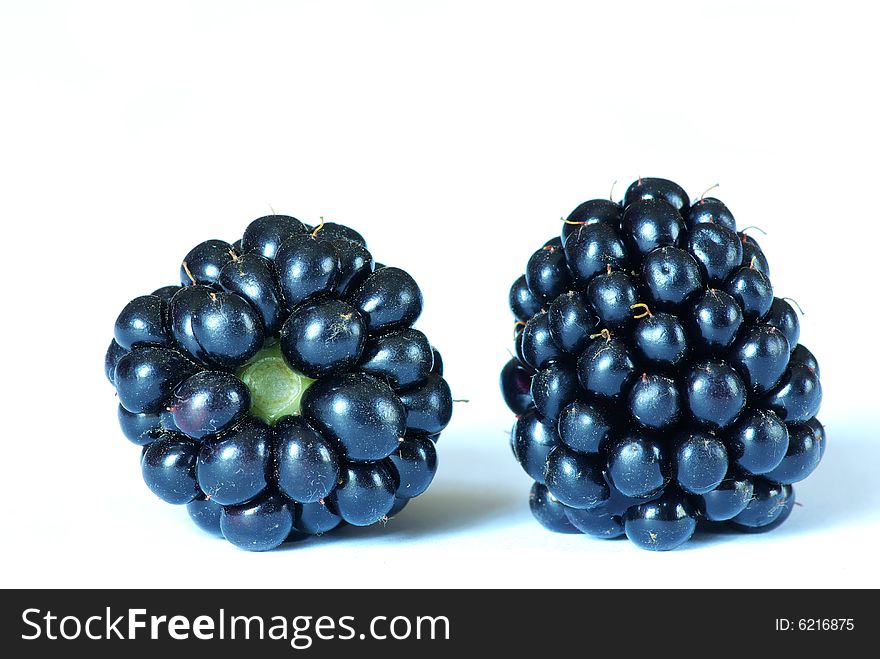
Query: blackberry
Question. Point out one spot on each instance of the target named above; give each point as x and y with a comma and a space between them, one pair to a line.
280, 390
658, 383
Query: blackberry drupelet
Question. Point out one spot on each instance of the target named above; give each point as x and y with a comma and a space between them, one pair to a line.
280, 391
658, 383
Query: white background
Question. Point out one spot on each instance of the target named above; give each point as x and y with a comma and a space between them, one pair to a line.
453, 135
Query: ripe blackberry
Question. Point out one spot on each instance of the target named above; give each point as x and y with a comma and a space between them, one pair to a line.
658, 383
280, 390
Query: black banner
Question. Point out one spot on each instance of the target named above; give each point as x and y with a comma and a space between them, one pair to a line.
289, 623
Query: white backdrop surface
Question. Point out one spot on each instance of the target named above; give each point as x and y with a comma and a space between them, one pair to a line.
453, 135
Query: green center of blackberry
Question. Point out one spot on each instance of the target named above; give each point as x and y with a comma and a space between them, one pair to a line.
276, 389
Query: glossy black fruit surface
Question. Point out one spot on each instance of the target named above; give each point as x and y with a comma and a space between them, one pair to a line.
592, 249
636, 466
365, 494
316, 518
428, 404
575, 479
661, 525
783, 317
208, 402
653, 401
761, 356
203, 263
306, 464
798, 395
168, 465
359, 412
671, 277
355, 265
700, 462
758, 441
145, 377
597, 522
802, 355
234, 467
651, 223
141, 428
594, 211
180, 319
165, 293
388, 299
206, 515
753, 292
612, 297
801, 457
553, 388
532, 439
657, 381
585, 427
258, 525
516, 384
252, 277
657, 188
548, 511
403, 357
281, 391
228, 329
660, 339
114, 353
323, 338
265, 235
717, 249
727, 500
415, 463
546, 272
143, 321
715, 394
522, 301
538, 346
217, 328
709, 210
606, 367
437, 368
715, 319
339, 233
770, 506
753, 256
571, 320
307, 267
